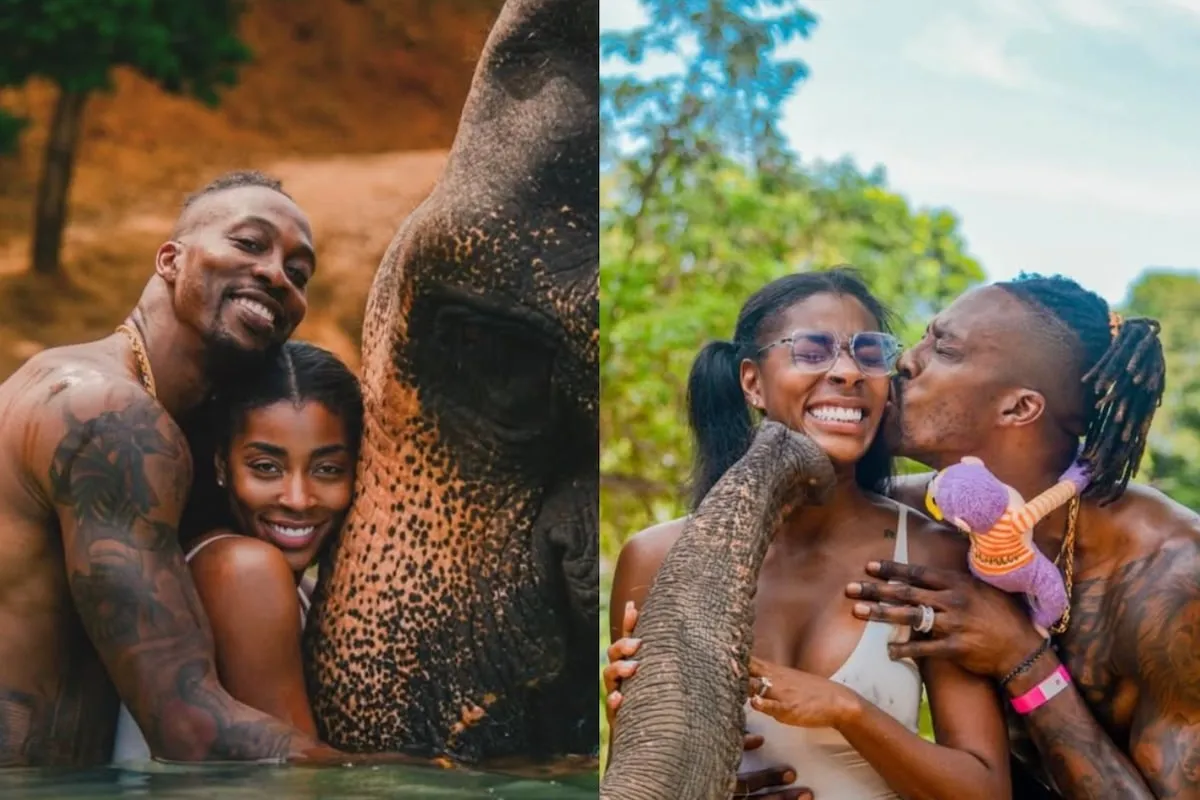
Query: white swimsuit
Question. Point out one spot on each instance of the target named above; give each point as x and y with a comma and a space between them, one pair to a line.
130, 746
822, 758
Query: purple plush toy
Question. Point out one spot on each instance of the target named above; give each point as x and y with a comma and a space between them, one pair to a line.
1000, 524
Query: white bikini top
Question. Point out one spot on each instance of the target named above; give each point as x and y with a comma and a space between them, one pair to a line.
822, 758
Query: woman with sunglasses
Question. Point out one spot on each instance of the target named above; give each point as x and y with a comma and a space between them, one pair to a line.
813, 352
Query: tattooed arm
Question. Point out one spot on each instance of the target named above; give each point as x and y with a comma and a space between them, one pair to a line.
1159, 637
119, 475
1080, 756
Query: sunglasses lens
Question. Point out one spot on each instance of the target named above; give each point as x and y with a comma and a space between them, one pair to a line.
813, 350
875, 352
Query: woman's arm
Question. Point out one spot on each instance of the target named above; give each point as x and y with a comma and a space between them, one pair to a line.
249, 594
970, 758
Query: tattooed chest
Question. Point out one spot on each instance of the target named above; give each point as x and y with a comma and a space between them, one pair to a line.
1091, 651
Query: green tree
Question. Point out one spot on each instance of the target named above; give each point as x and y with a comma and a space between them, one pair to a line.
1172, 462
185, 46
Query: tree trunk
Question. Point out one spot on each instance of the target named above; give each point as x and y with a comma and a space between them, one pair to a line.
51, 212
679, 729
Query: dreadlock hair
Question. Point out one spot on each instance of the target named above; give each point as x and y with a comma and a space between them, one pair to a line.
717, 410
1123, 378
236, 180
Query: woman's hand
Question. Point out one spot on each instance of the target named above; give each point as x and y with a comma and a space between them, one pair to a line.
798, 698
620, 666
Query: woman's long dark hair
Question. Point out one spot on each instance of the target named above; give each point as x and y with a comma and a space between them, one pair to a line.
717, 410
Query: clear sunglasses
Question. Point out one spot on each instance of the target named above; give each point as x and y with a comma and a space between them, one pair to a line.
874, 352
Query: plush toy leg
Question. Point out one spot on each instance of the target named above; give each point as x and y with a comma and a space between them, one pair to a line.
1047, 595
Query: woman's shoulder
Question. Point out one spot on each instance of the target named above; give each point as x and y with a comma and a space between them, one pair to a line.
652, 544
236, 559
934, 543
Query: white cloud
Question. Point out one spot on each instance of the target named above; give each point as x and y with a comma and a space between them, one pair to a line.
955, 46
1131, 191
1104, 15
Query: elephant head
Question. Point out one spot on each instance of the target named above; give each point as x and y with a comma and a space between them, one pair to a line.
457, 613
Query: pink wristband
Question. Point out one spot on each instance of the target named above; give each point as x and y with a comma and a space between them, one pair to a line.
1044, 692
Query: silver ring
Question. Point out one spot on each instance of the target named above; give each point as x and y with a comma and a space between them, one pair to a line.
926, 623
764, 686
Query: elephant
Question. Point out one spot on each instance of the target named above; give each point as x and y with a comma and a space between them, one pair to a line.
679, 729
455, 616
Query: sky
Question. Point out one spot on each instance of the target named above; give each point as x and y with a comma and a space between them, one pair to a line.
1064, 133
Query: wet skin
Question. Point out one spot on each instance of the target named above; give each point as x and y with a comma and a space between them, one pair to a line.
93, 479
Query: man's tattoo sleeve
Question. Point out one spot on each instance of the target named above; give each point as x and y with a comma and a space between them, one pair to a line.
119, 478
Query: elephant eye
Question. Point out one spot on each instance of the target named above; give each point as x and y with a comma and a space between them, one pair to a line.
499, 370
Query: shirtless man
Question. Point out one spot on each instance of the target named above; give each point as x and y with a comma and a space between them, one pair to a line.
96, 604
1016, 373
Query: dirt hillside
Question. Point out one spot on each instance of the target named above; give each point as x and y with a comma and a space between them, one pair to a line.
351, 103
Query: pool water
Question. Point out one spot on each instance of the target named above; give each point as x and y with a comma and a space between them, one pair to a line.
302, 783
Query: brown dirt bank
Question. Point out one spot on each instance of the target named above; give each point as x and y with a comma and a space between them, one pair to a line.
351, 102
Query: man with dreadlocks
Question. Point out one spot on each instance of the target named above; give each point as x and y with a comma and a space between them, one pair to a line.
1017, 373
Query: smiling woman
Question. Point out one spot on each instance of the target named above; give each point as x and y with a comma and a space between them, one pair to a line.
286, 447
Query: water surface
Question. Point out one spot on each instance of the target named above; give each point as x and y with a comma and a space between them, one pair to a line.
236, 782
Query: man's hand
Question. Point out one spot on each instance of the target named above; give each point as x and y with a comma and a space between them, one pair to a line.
981, 628
748, 783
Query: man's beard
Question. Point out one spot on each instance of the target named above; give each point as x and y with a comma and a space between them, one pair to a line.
227, 362
892, 428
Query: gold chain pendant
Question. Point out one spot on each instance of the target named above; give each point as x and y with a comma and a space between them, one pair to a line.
1066, 561
145, 374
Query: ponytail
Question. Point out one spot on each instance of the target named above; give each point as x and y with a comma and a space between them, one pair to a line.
1126, 385
718, 415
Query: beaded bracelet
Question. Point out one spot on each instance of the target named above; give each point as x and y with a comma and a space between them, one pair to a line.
1027, 664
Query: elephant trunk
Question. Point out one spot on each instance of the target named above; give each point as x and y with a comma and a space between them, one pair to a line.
679, 732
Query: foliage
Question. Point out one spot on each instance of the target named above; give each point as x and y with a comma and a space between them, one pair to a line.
1172, 463
725, 95
10, 131
186, 46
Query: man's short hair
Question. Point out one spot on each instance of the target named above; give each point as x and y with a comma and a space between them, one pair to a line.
236, 180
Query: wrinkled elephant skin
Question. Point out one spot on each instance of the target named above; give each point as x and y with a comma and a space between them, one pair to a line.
679, 729
457, 615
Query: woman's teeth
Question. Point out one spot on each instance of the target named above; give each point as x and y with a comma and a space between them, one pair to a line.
837, 413
288, 532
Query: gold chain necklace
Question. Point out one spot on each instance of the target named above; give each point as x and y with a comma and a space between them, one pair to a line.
1066, 561
145, 374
